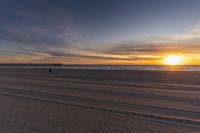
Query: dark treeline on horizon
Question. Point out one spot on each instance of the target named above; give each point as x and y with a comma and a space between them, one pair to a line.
30, 64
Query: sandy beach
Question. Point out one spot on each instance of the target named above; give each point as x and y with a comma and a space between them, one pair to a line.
98, 101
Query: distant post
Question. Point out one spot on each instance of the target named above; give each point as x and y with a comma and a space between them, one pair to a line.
50, 70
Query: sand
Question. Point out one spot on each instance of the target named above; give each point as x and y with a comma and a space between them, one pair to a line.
98, 101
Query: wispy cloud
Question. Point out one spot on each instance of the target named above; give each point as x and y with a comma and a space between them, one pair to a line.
35, 25
33, 32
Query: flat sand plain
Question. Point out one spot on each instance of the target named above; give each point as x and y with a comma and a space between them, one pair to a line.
98, 101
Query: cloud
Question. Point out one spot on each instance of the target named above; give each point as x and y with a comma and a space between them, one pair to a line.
35, 24
191, 36
32, 31
185, 43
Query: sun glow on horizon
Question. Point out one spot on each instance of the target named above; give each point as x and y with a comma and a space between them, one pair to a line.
173, 60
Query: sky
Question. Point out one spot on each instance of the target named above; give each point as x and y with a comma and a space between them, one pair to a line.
99, 31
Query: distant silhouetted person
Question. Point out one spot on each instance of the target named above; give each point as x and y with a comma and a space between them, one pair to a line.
50, 70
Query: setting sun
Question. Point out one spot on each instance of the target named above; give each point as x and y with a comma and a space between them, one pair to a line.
173, 60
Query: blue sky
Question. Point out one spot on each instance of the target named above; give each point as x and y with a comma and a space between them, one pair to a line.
97, 31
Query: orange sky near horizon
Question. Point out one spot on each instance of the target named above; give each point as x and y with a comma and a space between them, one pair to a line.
123, 60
